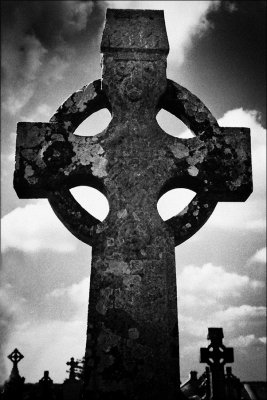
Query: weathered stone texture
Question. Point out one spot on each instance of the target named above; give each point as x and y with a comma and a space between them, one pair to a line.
132, 339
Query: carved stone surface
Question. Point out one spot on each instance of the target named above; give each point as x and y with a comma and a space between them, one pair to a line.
132, 338
136, 31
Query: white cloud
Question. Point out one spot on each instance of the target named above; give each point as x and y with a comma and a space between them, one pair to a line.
245, 341
26, 61
213, 282
204, 293
75, 15
241, 312
11, 307
57, 65
263, 339
39, 341
35, 227
21, 69
259, 256
239, 318
42, 112
16, 99
232, 319
8, 301
77, 293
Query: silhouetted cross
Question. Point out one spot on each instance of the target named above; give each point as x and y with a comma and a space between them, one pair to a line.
73, 365
15, 356
216, 355
132, 337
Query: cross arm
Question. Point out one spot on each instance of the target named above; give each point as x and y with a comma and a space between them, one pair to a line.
217, 159
37, 157
227, 168
216, 355
219, 167
216, 163
48, 157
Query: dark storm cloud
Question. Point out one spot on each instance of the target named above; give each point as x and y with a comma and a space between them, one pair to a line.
230, 64
53, 22
38, 40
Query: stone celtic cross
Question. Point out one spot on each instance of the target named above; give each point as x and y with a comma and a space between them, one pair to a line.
132, 337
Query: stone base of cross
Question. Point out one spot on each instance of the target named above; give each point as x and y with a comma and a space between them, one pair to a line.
132, 349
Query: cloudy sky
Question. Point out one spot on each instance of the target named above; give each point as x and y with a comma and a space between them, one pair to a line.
51, 49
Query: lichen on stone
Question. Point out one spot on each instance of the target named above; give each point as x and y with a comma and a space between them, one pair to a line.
180, 150
193, 171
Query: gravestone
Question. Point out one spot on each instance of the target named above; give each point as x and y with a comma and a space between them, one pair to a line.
71, 387
14, 386
233, 386
46, 390
216, 355
73, 367
132, 349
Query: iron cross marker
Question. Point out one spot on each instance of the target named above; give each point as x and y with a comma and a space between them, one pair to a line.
132, 336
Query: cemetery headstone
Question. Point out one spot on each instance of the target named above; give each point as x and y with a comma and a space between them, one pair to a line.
46, 391
216, 355
14, 386
72, 386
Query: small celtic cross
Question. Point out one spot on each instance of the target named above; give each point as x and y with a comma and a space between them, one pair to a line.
15, 356
216, 355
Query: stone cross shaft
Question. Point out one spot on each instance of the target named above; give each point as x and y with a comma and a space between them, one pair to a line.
132, 337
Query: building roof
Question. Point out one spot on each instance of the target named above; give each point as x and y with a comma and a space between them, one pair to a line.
256, 390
